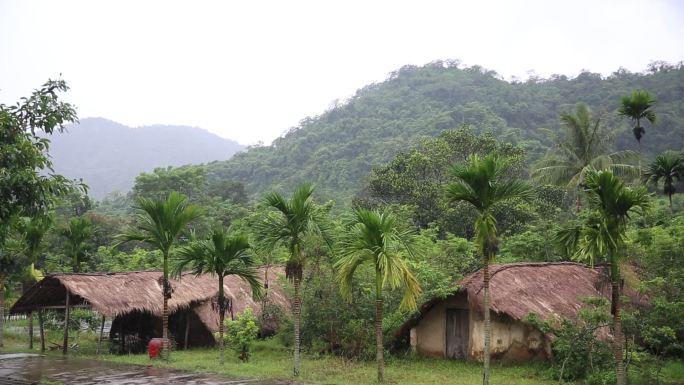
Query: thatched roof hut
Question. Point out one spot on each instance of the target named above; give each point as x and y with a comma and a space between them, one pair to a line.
452, 327
136, 298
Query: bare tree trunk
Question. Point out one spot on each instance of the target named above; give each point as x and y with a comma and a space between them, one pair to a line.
99, 340
296, 313
165, 329
66, 324
578, 202
487, 325
618, 338
30, 330
41, 327
222, 314
2, 310
379, 346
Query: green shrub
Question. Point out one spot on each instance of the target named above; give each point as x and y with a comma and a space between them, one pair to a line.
241, 333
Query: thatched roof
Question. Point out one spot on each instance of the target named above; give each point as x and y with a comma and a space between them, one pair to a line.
548, 289
112, 294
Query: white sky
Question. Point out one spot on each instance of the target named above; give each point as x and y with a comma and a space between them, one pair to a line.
249, 70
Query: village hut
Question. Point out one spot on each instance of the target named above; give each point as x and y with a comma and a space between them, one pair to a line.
133, 300
453, 327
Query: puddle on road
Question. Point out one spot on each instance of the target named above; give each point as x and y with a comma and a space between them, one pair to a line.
74, 371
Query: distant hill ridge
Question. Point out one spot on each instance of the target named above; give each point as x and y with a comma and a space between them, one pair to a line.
337, 149
108, 155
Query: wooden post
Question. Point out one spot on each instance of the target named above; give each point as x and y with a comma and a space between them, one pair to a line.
42, 330
99, 340
187, 329
121, 337
66, 323
30, 330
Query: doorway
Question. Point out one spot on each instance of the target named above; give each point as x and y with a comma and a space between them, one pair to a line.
457, 334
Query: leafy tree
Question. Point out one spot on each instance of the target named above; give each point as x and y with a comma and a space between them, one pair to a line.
638, 106
668, 167
222, 254
159, 223
585, 147
241, 333
377, 238
602, 235
484, 182
294, 220
77, 234
28, 184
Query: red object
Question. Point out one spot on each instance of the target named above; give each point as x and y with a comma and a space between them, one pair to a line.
155, 347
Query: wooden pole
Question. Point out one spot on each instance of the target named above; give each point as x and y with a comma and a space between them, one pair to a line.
187, 329
99, 340
42, 330
30, 330
66, 323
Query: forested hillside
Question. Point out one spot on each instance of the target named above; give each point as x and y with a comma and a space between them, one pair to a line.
337, 149
108, 156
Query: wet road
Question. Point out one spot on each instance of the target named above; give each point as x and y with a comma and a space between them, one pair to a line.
28, 368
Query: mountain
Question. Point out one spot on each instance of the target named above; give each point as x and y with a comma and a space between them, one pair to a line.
337, 149
108, 155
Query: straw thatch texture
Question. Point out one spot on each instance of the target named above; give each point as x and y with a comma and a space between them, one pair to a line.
550, 290
113, 294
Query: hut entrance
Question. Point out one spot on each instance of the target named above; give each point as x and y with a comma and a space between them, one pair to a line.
457, 333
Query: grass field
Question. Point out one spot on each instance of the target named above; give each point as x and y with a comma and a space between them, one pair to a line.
270, 360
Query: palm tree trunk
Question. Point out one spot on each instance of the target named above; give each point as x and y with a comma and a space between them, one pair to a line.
379, 347
487, 325
222, 313
296, 313
618, 338
671, 209
2, 310
578, 203
165, 311
30, 330
41, 327
67, 313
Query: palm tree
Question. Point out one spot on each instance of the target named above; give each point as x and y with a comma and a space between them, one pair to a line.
638, 106
377, 238
292, 222
221, 254
485, 183
31, 231
160, 222
77, 233
602, 236
668, 167
586, 146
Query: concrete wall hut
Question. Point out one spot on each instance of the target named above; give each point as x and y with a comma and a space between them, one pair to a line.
453, 327
133, 302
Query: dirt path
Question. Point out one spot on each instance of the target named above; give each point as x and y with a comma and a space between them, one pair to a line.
28, 368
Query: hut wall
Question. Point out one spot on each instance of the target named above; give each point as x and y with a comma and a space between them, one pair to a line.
430, 332
511, 340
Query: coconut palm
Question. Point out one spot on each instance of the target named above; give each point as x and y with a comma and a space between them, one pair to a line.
376, 238
484, 183
585, 146
159, 223
638, 106
292, 221
668, 167
222, 254
602, 236
77, 233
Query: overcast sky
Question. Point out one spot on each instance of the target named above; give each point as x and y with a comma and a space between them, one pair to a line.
249, 70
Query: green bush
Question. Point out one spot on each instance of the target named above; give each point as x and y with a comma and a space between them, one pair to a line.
577, 352
241, 333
